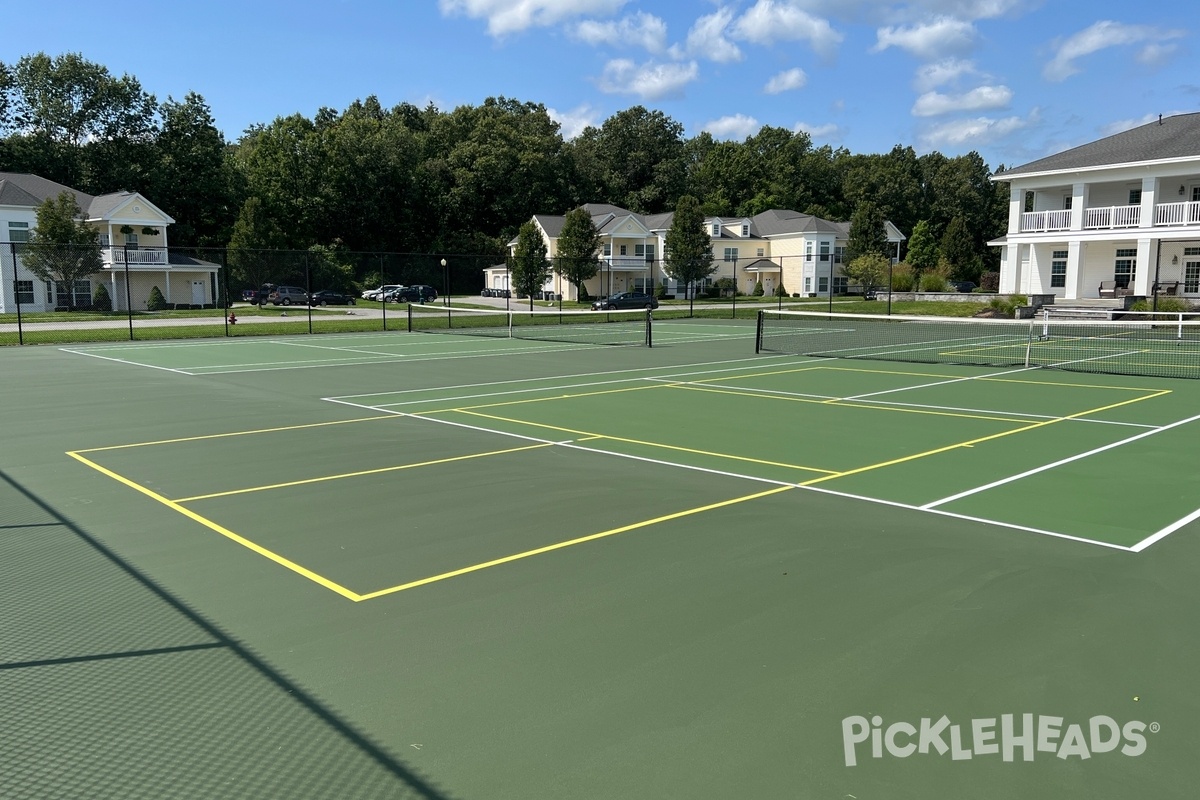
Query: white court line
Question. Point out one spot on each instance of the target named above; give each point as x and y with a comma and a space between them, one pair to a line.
1058, 463
1165, 532
937, 383
123, 361
335, 349
754, 478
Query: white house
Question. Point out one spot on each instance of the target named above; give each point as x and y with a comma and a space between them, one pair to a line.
801, 251
1118, 216
133, 239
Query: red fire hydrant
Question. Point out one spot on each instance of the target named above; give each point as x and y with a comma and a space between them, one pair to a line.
232, 318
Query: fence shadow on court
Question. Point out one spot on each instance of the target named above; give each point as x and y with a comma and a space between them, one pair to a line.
112, 688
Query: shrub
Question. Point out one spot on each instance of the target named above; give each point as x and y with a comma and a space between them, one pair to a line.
1007, 306
933, 281
1167, 305
584, 297
100, 300
904, 279
989, 281
758, 290
781, 292
156, 302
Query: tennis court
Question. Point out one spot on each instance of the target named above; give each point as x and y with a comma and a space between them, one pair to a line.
524, 564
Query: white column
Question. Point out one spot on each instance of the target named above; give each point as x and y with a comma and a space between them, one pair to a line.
1079, 197
1074, 289
1016, 207
1010, 268
112, 291
1144, 276
1149, 192
167, 279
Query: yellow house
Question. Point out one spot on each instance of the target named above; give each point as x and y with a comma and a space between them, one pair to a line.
803, 252
133, 245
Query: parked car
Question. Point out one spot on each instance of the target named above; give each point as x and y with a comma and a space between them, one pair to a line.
962, 286
417, 293
328, 297
626, 300
249, 295
262, 294
378, 292
288, 296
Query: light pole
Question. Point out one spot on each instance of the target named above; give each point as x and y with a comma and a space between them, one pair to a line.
446, 269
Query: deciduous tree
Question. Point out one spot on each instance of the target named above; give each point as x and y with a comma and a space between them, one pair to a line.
529, 267
689, 256
578, 243
63, 248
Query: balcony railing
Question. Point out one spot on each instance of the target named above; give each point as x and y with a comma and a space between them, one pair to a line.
155, 256
1112, 217
618, 262
1057, 220
1187, 213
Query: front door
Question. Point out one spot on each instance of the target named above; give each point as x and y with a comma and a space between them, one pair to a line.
197, 293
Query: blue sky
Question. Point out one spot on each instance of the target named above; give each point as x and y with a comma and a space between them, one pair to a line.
1012, 79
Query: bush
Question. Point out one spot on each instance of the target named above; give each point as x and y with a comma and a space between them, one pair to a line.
904, 279
1167, 305
1007, 306
100, 300
156, 302
781, 292
933, 281
584, 297
758, 290
989, 281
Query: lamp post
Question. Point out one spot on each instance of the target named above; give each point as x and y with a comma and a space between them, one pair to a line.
446, 269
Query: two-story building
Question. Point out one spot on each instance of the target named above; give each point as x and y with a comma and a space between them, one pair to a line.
1117, 216
802, 252
133, 242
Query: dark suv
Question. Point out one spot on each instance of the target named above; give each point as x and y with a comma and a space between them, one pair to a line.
417, 293
626, 300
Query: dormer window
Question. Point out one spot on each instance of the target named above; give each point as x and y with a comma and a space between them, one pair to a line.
745, 230
716, 229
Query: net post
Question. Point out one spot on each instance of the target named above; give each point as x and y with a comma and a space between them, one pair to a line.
649, 328
510, 321
1029, 342
758, 333
409, 317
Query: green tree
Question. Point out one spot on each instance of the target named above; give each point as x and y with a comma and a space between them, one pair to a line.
636, 159
923, 252
688, 257
101, 301
192, 179
329, 268
63, 249
578, 243
959, 250
870, 270
867, 232
529, 268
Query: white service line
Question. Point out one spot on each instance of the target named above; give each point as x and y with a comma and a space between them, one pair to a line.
938, 383
123, 361
1165, 532
335, 349
1058, 463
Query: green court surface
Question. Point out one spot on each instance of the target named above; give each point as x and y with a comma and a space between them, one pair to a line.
412, 565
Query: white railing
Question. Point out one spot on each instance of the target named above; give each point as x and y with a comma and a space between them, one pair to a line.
1186, 213
1057, 220
148, 255
617, 262
1112, 217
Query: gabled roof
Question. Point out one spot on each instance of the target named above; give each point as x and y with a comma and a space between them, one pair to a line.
1176, 137
33, 190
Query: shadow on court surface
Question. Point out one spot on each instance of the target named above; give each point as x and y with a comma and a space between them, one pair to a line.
112, 688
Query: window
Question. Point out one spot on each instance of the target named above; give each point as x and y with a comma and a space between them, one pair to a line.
824, 251
839, 255
841, 284
1067, 203
716, 229
78, 295
18, 232
25, 292
1125, 269
731, 254
823, 284
1191, 276
1058, 269
745, 230
645, 251
761, 252
808, 251
807, 285
1135, 197
623, 250
131, 240
607, 249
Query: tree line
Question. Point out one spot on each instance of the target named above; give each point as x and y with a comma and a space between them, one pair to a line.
422, 180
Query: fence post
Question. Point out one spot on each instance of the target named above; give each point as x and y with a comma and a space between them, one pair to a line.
12, 248
128, 295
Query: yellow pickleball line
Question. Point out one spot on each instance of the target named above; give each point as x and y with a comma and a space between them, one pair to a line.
570, 543
243, 541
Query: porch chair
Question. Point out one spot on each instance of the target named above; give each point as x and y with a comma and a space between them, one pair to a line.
1108, 289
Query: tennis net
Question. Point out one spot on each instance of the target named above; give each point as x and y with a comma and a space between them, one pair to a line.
581, 327
1168, 349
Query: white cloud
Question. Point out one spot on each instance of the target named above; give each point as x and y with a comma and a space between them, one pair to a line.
940, 73
649, 81
707, 38
982, 98
972, 132
1156, 53
822, 133
738, 126
640, 30
786, 81
1100, 36
510, 16
928, 40
770, 21
574, 122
